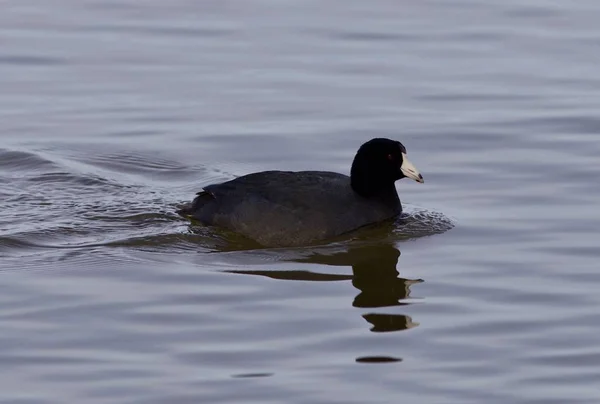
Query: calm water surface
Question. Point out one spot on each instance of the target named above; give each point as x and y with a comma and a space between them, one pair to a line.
114, 112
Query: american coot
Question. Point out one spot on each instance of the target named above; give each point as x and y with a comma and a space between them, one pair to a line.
284, 208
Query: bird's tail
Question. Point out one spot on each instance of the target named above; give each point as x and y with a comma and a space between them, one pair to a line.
188, 209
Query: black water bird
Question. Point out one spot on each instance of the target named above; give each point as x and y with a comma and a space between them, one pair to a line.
284, 208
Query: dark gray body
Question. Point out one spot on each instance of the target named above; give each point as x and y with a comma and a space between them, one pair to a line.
283, 208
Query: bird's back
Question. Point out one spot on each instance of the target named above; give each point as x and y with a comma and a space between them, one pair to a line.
290, 208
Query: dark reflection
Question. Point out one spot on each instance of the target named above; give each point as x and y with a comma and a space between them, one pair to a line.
377, 359
295, 275
249, 375
374, 274
389, 322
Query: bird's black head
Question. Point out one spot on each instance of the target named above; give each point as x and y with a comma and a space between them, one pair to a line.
378, 164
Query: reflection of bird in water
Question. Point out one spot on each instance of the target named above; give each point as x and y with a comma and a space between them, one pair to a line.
389, 322
374, 273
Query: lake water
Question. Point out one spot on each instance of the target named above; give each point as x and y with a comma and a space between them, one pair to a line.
112, 113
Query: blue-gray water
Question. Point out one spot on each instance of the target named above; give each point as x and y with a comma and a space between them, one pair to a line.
114, 112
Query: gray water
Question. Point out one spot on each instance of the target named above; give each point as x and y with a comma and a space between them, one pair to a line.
112, 113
